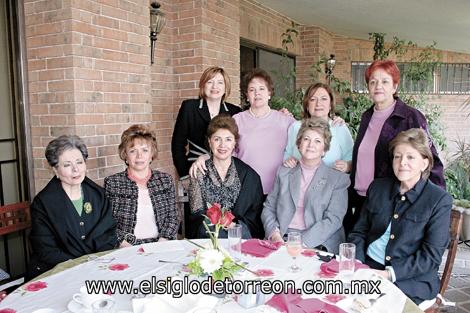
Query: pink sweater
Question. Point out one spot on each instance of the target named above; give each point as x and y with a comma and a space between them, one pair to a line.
298, 221
366, 152
262, 142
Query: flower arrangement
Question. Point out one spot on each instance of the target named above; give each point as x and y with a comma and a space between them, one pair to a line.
213, 260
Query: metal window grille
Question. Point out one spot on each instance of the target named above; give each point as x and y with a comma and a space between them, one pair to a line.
448, 78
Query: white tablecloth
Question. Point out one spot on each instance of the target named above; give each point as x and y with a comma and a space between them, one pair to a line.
135, 265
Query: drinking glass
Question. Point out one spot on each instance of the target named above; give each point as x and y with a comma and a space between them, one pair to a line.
347, 259
294, 247
235, 241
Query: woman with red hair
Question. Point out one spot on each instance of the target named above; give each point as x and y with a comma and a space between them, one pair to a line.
379, 125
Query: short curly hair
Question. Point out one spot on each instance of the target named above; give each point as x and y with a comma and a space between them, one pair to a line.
223, 121
137, 131
57, 146
256, 73
316, 124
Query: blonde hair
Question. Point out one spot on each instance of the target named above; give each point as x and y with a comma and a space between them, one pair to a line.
418, 139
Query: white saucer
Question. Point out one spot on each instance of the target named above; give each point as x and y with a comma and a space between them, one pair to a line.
76, 307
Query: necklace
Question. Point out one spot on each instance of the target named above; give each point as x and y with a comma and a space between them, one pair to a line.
261, 115
138, 180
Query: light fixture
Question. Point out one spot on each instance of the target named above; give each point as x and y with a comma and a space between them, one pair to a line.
329, 66
157, 22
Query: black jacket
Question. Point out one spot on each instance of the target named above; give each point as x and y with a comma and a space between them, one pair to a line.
58, 233
191, 125
249, 205
419, 232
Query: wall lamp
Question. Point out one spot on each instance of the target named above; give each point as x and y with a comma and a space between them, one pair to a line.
329, 66
157, 22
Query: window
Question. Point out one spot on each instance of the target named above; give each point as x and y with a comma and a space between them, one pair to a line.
448, 78
277, 66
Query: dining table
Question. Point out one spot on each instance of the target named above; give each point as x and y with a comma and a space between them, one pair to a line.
160, 261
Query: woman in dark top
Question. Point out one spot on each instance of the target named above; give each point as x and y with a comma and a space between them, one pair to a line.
71, 216
379, 125
194, 117
189, 135
228, 181
403, 229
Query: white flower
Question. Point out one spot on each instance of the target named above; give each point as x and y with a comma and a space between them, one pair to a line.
211, 260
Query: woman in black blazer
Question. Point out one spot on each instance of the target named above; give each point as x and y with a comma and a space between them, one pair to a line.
403, 229
192, 121
194, 117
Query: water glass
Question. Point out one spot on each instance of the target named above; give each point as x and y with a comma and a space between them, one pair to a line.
235, 241
347, 259
294, 248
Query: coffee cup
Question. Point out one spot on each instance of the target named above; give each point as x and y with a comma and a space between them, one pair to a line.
87, 299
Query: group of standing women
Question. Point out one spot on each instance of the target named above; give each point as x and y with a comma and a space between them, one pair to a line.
236, 158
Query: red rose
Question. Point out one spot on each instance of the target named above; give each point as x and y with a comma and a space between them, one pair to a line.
141, 250
227, 219
118, 267
214, 213
37, 285
7, 311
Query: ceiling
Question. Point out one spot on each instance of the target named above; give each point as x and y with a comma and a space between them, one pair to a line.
422, 21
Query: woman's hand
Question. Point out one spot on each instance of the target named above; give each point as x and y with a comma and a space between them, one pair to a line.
343, 166
124, 244
199, 164
285, 112
3, 295
338, 121
290, 162
276, 237
385, 274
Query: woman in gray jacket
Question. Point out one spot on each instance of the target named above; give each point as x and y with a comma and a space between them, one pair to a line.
310, 198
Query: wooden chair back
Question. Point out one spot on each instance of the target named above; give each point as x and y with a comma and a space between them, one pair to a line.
456, 218
181, 199
14, 217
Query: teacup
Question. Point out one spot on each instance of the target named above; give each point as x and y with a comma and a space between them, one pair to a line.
87, 299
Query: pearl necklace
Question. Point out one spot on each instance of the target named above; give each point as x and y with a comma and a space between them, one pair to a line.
259, 116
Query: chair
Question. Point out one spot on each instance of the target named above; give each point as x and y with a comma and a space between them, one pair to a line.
456, 219
181, 199
14, 218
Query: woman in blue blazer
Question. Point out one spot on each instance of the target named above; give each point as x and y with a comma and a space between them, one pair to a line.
403, 229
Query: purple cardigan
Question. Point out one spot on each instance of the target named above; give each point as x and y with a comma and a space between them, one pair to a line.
402, 118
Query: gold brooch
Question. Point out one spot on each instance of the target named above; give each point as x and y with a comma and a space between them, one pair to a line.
87, 207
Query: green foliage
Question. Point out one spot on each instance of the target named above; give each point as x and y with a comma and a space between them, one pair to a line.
399, 47
292, 102
351, 110
457, 173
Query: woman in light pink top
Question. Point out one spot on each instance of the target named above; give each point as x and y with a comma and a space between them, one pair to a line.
263, 132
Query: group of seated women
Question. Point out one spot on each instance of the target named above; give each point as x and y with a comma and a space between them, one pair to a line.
275, 174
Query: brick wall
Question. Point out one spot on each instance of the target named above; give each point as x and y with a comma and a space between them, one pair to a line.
89, 69
264, 26
88, 75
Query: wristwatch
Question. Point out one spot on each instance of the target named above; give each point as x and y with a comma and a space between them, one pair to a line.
130, 238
